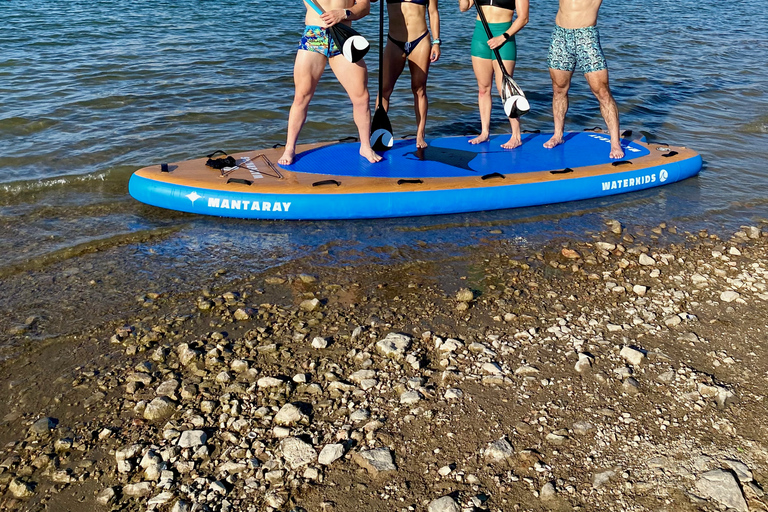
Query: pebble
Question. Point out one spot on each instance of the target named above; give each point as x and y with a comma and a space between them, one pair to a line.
192, 438
297, 453
376, 461
289, 415
330, 453
499, 451
444, 504
729, 296
159, 408
394, 345
632, 356
319, 342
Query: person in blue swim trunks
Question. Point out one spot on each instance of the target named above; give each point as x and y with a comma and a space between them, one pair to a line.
316, 49
576, 44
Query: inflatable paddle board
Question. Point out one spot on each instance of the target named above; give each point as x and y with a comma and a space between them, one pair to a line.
332, 181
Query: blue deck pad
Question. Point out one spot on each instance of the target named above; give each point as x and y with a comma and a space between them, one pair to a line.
455, 156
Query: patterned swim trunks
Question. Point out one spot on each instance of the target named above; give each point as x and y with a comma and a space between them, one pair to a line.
316, 39
573, 47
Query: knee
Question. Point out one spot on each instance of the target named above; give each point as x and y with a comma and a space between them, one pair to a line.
419, 90
483, 90
361, 99
560, 91
603, 94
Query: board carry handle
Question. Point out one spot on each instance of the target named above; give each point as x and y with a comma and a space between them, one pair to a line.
409, 182
348, 139
493, 175
669, 154
622, 162
562, 171
240, 181
326, 182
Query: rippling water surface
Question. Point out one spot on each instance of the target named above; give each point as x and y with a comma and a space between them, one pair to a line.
91, 91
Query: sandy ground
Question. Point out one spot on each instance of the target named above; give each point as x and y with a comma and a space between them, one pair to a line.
626, 371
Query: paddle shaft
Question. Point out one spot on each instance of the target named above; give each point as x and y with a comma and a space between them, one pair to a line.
490, 36
381, 47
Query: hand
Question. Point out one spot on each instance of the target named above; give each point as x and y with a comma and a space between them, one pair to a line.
435, 53
331, 18
496, 42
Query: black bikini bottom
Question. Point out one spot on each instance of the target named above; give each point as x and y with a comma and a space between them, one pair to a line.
408, 46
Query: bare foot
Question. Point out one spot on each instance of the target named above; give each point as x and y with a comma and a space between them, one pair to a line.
556, 140
512, 143
420, 142
370, 155
617, 151
483, 137
287, 158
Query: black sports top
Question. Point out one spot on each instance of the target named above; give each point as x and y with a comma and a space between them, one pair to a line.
504, 4
417, 2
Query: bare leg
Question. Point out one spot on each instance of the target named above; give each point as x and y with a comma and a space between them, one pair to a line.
598, 82
516, 139
307, 70
561, 82
394, 63
418, 63
354, 79
484, 74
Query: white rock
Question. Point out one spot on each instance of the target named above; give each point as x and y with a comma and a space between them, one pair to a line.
319, 342
492, 368
192, 438
722, 487
646, 260
444, 504
268, 382
394, 345
729, 296
499, 451
632, 356
453, 393
330, 453
378, 460
297, 453
410, 397
289, 415
639, 290
584, 363
159, 408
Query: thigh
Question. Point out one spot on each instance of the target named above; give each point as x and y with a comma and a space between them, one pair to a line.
394, 63
307, 70
352, 76
418, 62
483, 71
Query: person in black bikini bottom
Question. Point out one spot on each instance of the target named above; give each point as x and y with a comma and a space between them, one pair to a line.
410, 42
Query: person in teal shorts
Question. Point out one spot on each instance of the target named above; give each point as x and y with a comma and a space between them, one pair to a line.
576, 44
504, 26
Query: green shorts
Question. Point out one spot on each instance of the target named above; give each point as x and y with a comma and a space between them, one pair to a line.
480, 42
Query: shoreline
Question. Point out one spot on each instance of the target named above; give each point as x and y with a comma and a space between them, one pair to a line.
611, 372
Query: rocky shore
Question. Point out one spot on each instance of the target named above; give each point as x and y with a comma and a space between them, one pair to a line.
627, 371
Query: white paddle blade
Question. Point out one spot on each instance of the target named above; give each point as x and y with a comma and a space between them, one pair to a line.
382, 138
515, 106
355, 48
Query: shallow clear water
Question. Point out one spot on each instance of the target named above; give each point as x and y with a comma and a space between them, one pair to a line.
92, 91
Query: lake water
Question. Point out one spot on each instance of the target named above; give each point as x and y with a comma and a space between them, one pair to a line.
91, 91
